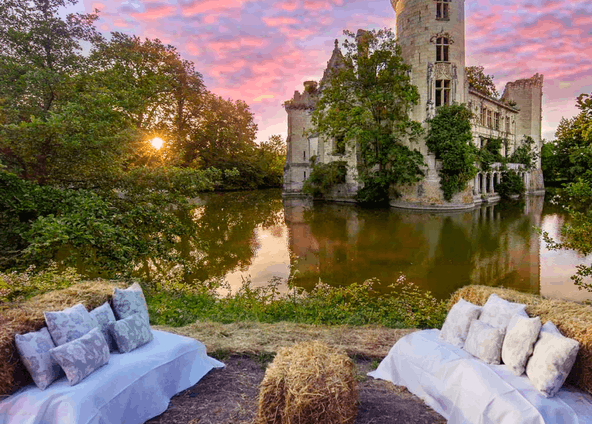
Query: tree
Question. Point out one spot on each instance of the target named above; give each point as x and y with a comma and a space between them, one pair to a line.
451, 140
54, 126
481, 82
366, 103
574, 160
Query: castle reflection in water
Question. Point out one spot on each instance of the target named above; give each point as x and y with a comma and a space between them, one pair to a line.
494, 245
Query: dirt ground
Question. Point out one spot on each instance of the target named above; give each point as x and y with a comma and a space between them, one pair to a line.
229, 395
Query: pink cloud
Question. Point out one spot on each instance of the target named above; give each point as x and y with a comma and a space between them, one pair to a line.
208, 6
155, 12
279, 21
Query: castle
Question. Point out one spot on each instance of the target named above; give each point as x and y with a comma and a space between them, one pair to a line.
431, 34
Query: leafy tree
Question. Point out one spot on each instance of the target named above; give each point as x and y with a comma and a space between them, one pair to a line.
55, 127
490, 153
451, 140
272, 157
511, 184
526, 153
366, 103
324, 176
481, 82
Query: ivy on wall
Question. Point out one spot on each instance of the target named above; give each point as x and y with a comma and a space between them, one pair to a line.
324, 176
450, 139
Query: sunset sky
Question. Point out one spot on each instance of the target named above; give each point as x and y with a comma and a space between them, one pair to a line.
260, 51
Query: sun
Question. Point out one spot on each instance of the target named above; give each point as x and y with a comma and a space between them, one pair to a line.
157, 142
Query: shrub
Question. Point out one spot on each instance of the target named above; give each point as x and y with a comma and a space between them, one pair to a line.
511, 184
324, 176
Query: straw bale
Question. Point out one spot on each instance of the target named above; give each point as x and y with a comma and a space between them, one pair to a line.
573, 319
23, 317
251, 337
309, 382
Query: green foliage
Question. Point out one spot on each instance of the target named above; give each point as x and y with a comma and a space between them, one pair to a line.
551, 164
450, 139
490, 153
171, 302
16, 286
510, 185
525, 153
481, 82
366, 103
324, 176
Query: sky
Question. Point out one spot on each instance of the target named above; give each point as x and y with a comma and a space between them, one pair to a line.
261, 51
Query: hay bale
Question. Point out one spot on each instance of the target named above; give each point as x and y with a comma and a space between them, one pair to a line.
573, 319
23, 317
309, 382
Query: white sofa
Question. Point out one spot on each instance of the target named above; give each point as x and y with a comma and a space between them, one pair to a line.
464, 389
132, 388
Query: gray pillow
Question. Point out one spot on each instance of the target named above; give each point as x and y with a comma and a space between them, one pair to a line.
485, 342
80, 357
458, 321
498, 312
104, 315
69, 324
130, 301
34, 350
553, 358
131, 332
519, 342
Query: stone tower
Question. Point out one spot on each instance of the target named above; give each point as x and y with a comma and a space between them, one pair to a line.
431, 34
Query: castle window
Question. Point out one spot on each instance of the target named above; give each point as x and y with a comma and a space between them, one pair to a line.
442, 9
483, 116
442, 49
305, 175
508, 124
304, 155
442, 92
496, 119
339, 145
489, 124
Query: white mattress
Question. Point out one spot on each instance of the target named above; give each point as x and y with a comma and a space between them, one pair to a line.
132, 388
464, 389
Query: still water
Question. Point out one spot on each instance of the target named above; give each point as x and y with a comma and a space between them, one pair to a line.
259, 236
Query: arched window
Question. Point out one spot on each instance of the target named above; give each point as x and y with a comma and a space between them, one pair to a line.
442, 49
442, 10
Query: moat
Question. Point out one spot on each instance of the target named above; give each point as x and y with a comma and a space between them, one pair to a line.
260, 236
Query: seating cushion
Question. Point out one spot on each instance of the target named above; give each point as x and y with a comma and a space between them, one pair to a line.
69, 324
104, 315
498, 312
553, 358
466, 390
130, 333
131, 388
485, 342
519, 342
82, 356
130, 301
458, 321
34, 350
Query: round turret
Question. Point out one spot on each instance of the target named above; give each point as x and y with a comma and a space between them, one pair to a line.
431, 34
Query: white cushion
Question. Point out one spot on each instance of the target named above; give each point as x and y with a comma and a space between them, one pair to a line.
34, 350
82, 356
130, 389
104, 316
485, 342
521, 335
130, 301
130, 333
69, 324
498, 312
553, 358
458, 321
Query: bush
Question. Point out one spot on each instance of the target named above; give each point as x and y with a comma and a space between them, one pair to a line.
511, 184
324, 176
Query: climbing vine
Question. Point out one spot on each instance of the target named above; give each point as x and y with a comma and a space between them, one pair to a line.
511, 184
490, 153
525, 154
324, 176
450, 139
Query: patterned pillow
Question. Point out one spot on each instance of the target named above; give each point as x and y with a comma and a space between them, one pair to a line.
498, 312
519, 342
34, 350
458, 321
131, 332
129, 301
553, 357
104, 315
69, 324
485, 342
80, 357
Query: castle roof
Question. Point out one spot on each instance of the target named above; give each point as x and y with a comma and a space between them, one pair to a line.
335, 62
